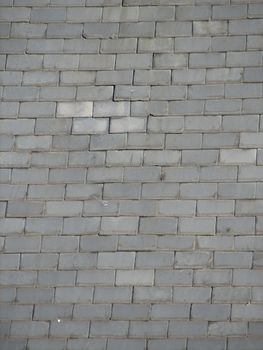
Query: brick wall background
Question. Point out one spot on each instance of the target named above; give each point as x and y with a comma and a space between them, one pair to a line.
131, 175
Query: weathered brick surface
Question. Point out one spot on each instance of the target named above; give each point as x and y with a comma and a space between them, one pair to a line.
131, 167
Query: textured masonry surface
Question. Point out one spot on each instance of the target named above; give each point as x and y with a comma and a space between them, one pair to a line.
131, 212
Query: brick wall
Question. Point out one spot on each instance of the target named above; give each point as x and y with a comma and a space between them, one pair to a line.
131, 175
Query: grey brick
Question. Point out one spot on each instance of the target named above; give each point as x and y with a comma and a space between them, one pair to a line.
71, 328
39, 261
119, 225
66, 208
211, 312
107, 142
229, 294
140, 29
81, 225
92, 312
139, 243
112, 295
240, 123
76, 261
137, 141
136, 277
86, 158
188, 76
148, 328
18, 278
193, 259
92, 277
16, 312
187, 328
229, 12
100, 208
22, 93
84, 14
183, 141
193, 12
34, 295
34, 143
110, 328
168, 311
73, 295
9, 109
120, 260
122, 191
63, 30
154, 225
202, 157
237, 156
44, 225
46, 312
9, 261
212, 277
167, 344
40, 15
70, 142
134, 93
143, 174
29, 329
154, 260
241, 226
169, 61
113, 77
10, 78
100, 30
25, 244
11, 226
84, 343
172, 29
176, 243
120, 14
25, 208
70, 175
28, 30
90, 62
30, 176
53, 93
203, 60
118, 45
186, 107
37, 109
176, 207
13, 14
245, 26
181, 174
210, 27
242, 59
129, 344
153, 77
158, 191
191, 295
198, 344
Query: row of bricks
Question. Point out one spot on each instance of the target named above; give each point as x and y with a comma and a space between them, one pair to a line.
150, 173
121, 260
129, 207
191, 174
141, 29
91, 245
224, 131
167, 41
152, 77
166, 210
131, 13
136, 93
165, 312
128, 61
173, 143
234, 343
